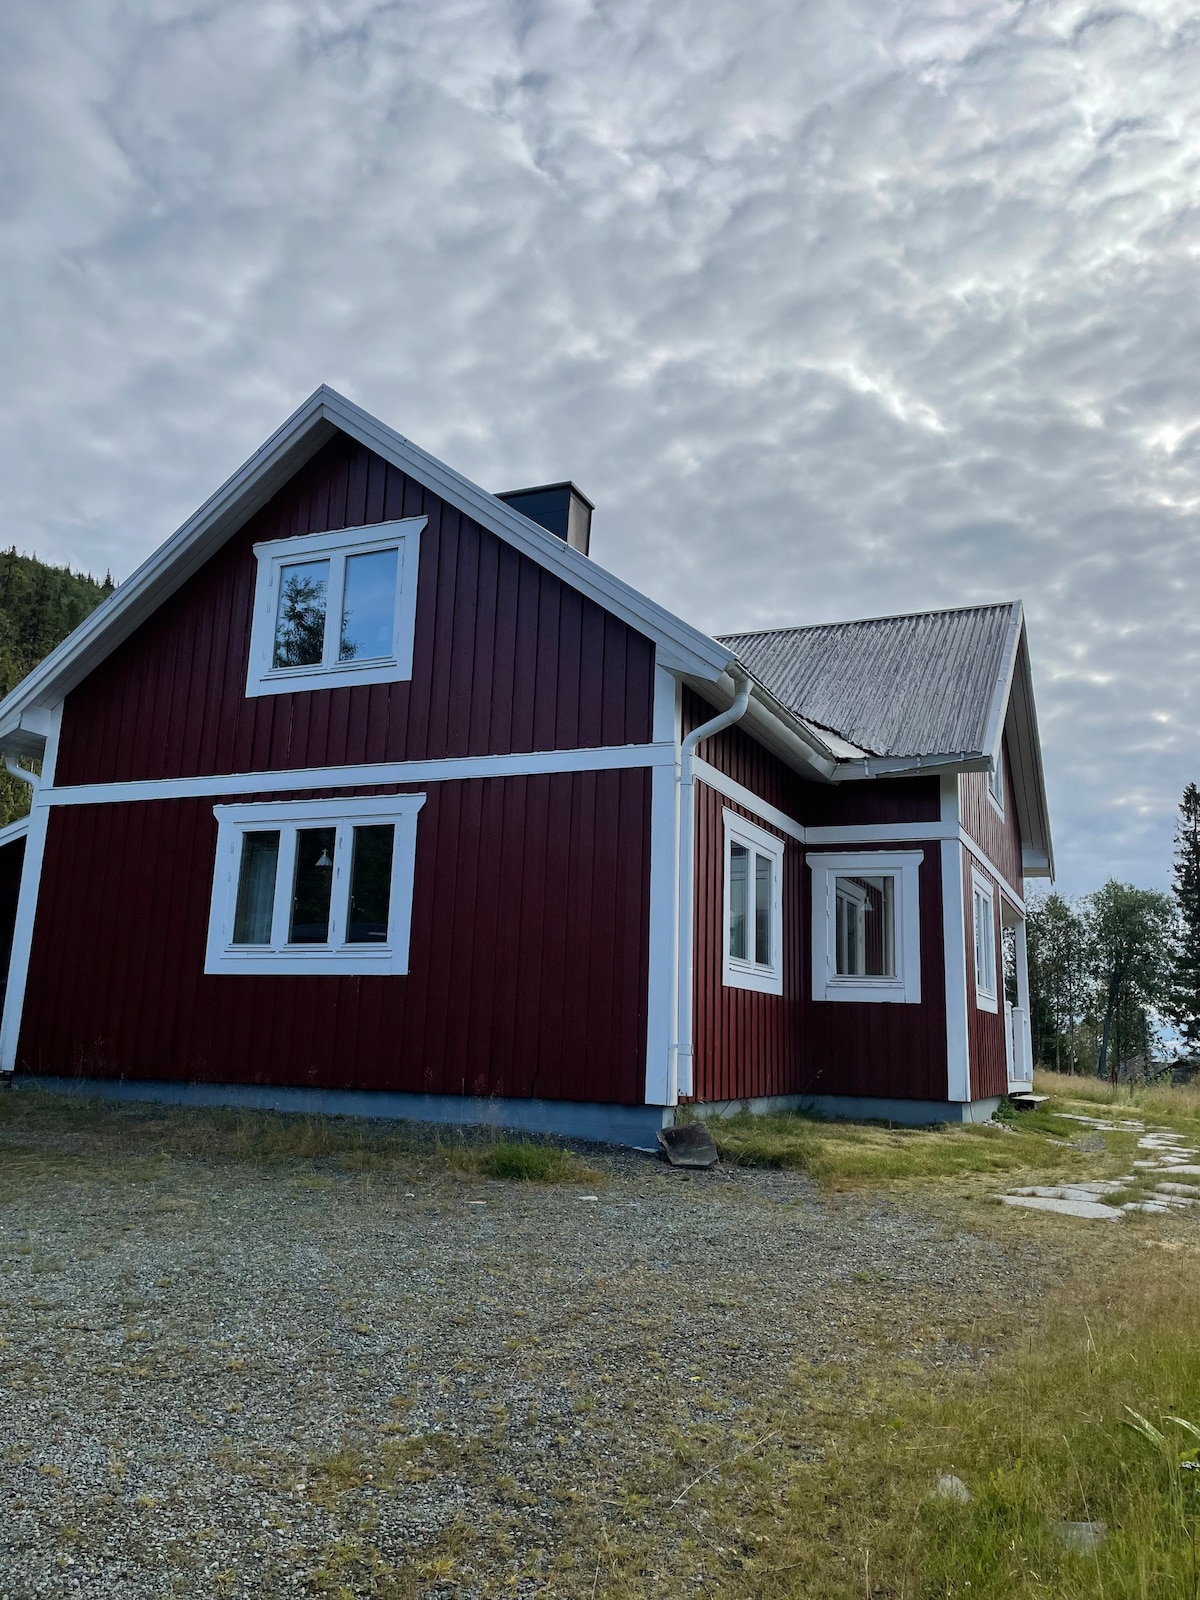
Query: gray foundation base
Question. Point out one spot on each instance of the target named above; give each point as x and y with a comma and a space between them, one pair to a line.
628, 1125
860, 1108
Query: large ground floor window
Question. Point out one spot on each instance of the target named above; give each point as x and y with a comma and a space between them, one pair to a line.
313, 886
866, 925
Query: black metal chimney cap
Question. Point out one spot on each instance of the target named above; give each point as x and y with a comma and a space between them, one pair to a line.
560, 508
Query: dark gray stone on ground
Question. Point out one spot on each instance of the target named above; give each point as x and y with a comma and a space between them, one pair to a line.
689, 1145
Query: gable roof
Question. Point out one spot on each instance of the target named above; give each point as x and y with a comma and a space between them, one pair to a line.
928, 689
824, 698
680, 647
920, 685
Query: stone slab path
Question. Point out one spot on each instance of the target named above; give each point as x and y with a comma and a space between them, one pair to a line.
1167, 1154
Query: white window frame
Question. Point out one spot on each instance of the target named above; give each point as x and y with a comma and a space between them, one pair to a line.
288, 816
903, 866
747, 974
404, 537
995, 781
981, 889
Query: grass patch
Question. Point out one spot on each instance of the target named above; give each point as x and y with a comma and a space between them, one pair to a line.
825, 1488
845, 1155
1167, 1102
83, 1136
521, 1161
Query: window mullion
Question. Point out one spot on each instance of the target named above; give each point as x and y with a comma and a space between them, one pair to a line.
339, 904
333, 612
285, 877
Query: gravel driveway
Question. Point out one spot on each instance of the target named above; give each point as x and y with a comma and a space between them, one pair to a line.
229, 1379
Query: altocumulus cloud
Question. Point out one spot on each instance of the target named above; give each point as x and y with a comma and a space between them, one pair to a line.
834, 308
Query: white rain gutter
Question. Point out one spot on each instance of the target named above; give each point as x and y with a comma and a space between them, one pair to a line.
686, 778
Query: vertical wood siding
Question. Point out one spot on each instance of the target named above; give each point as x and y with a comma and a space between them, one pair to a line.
12, 859
893, 1051
985, 1029
740, 757
527, 971
507, 657
746, 1043
998, 837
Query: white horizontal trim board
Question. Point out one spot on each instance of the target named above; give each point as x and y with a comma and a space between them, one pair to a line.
604, 758
742, 796
14, 831
865, 833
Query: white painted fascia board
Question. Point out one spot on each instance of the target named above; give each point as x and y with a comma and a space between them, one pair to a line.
890, 766
680, 646
1002, 688
171, 564
795, 742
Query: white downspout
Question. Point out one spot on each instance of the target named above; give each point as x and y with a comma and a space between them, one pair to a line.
14, 771
683, 1051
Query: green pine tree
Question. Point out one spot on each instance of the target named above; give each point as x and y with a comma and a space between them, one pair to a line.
39, 606
1185, 986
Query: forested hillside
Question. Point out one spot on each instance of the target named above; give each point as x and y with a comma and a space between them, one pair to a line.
39, 605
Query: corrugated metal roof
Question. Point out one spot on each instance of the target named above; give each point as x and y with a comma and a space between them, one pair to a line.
898, 686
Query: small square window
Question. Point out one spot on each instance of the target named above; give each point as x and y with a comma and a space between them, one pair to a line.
327, 889
753, 907
334, 608
983, 917
866, 933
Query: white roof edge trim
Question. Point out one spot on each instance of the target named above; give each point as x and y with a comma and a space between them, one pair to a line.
680, 647
998, 706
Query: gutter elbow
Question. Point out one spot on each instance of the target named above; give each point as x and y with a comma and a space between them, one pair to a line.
14, 771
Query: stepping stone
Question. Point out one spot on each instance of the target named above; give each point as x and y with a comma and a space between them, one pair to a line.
1190, 1167
1069, 1208
1190, 1189
1147, 1205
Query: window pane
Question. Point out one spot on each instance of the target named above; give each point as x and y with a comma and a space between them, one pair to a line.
739, 876
256, 888
300, 621
762, 910
312, 885
370, 884
985, 957
865, 935
369, 606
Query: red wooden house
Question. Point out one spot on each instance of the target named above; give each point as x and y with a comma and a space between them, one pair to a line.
371, 792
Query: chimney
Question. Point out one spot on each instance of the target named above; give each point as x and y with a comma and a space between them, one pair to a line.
560, 508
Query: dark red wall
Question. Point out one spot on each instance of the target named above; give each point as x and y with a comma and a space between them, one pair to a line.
507, 657
527, 969
998, 837
745, 1043
12, 859
824, 805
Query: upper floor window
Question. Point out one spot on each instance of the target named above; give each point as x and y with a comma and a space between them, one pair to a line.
753, 907
319, 886
866, 928
334, 608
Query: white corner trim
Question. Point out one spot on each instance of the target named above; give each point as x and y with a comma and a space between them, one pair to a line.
954, 944
745, 973
455, 769
272, 555
740, 795
985, 999
36, 824
663, 966
904, 867
336, 957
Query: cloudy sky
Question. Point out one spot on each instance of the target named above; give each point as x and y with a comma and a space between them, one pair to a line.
834, 307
